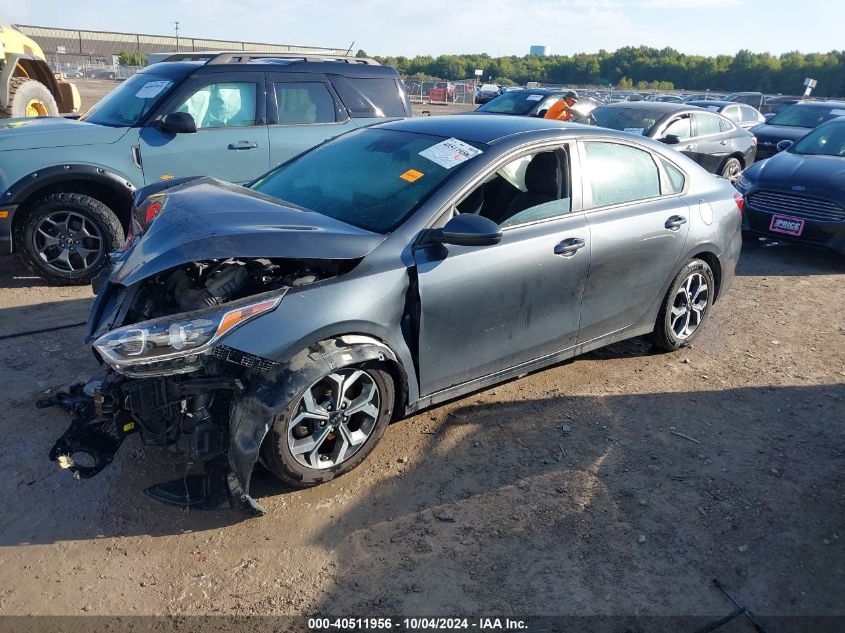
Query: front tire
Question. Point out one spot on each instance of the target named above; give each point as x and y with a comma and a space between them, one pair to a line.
330, 427
66, 238
27, 98
685, 307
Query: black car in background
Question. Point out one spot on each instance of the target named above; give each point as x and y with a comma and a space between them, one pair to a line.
745, 116
711, 140
532, 102
799, 194
793, 122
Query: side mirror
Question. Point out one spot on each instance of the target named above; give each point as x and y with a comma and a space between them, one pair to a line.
469, 229
671, 139
179, 123
784, 145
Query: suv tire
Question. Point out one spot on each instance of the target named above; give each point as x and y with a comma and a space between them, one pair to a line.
66, 238
292, 427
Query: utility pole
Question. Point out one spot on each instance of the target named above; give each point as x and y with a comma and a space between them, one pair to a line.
176, 25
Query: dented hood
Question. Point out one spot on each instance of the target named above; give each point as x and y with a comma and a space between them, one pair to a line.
207, 218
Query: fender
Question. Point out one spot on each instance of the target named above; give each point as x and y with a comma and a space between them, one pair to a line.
255, 410
26, 186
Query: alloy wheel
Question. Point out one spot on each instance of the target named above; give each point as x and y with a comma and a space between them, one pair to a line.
67, 241
733, 171
689, 306
334, 418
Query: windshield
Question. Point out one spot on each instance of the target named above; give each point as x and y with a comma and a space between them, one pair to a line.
824, 141
125, 105
805, 116
520, 102
371, 178
635, 120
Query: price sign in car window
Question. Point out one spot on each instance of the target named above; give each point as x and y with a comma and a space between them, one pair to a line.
533, 97
450, 152
152, 89
634, 130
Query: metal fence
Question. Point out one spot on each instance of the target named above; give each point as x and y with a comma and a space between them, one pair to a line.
441, 91
72, 46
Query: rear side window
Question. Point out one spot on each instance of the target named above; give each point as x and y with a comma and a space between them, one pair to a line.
371, 97
620, 173
706, 124
748, 114
304, 102
675, 177
732, 113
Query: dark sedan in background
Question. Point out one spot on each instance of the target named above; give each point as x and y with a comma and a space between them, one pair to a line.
532, 102
793, 122
711, 140
745, 116
799, 194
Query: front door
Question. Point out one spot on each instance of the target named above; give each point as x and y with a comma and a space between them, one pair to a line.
712, 146
231, 141
486, 309
638, 227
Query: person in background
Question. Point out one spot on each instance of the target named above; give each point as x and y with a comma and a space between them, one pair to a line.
562, 110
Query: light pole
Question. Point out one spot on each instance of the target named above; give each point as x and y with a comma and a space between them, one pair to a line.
176, 26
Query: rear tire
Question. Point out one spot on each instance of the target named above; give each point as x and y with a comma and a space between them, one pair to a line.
301, 441
685, 307
731, 169
28, 97
66, 238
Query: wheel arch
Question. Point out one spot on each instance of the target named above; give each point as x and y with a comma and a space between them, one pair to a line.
712, 260
116, 192
254, 411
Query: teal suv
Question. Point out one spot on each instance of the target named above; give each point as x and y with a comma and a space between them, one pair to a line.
67, 185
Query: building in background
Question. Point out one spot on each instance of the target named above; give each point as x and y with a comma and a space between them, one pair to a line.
539, 51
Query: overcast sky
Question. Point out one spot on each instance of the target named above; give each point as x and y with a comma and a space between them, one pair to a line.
497, 27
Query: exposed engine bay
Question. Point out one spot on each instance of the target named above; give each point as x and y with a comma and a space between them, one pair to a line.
169, 376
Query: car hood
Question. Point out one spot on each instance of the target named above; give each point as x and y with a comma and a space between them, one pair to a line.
207, 218
815, 173
37, 132
766, 133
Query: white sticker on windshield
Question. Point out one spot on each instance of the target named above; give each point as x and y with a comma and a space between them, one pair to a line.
533, 97
634, 130
713, 108
151, 89
450, 152
838, 112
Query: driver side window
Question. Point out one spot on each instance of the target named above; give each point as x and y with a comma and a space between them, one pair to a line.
679, 127
528, 189
230, 104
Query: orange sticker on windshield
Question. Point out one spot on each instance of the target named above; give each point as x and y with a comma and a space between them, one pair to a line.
412, 175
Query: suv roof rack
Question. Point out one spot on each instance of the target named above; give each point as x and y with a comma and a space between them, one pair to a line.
245, 57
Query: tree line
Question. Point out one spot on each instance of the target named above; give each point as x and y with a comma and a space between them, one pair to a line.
642, 67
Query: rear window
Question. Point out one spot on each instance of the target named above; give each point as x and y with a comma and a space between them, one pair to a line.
635, 120
371, 97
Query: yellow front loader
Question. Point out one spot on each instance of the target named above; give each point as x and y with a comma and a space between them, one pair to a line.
27, 85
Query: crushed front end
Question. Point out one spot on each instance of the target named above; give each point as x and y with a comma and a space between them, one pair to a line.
170, 377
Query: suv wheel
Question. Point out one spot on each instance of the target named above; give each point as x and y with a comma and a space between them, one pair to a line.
67, 236
685, 307
331, 427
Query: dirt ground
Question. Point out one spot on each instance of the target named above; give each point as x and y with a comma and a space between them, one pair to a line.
565, 492
569, 491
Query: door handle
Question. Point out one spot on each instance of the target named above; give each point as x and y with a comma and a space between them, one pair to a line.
675, 222
723, 142
243, 145
569, 247
690, 148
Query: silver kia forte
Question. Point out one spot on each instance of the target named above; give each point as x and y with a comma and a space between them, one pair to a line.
382, 272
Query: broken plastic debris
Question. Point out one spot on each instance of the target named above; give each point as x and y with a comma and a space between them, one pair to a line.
65, 461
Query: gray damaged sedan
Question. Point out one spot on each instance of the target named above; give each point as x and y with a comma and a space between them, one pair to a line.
385, 271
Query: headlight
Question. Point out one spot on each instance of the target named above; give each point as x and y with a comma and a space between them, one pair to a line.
742, 182
174, 344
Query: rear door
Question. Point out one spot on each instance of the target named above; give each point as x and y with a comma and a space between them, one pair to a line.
638, 227
710, 137
303, 110
231, 141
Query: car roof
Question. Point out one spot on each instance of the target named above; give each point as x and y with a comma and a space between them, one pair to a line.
654, 106
180, 64
714, 102
480, 129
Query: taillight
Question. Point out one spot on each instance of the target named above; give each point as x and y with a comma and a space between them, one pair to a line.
740, 202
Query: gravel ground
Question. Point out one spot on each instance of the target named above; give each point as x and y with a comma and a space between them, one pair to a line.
569, 491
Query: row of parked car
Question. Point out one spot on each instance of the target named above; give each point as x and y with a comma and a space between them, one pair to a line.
798, 194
